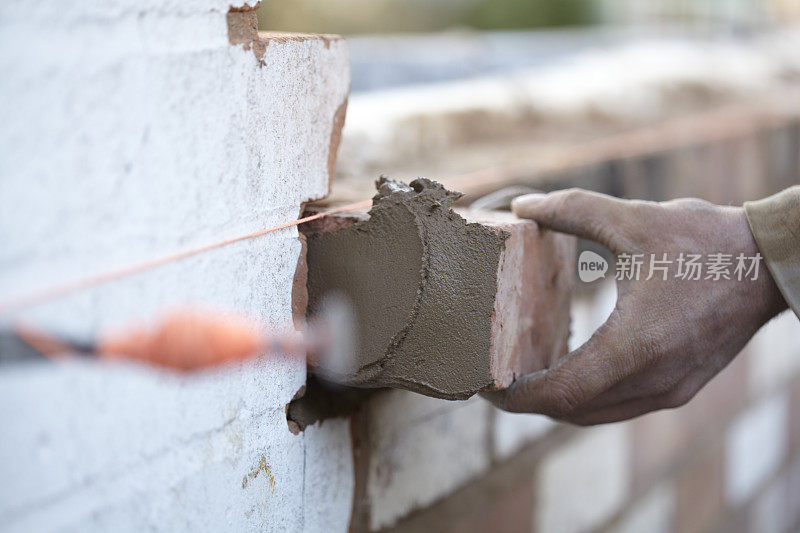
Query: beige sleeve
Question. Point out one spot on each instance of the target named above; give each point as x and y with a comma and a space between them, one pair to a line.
775, 223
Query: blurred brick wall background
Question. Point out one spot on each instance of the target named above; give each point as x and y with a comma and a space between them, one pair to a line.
382, 16
727, 461
651, 117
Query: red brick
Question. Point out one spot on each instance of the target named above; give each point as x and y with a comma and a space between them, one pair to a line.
524, 322
699, 499
794, 417
659, 440
534, 286
508, 511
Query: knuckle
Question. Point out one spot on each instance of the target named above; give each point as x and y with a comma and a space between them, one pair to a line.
562, 396
665, 385
505, 403
568, 198
677, 398
692, 204
510, 399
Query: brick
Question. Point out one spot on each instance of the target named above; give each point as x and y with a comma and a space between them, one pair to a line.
658, 441
756, 444
499, 500
770, 512
513, 431
794, 417
589, 310
421, 450
708, 414
653, 512
780, 146
329, 477
583, 483
446, 305
775, 354
793, 491
509, 511
699, 491
662, 439
531, 322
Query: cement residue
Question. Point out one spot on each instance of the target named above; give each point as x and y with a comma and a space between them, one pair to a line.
422, 282
319, 401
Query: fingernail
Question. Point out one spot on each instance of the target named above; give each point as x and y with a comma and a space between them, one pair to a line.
524, 203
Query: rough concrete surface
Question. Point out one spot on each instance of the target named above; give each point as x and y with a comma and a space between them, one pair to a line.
444, 306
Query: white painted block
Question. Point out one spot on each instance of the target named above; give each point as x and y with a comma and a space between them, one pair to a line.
422, 449
771, 509
584, 482
589, 312
653, 513
329, 478
776, 508
775, 353
793, 491
512, 431
756, 444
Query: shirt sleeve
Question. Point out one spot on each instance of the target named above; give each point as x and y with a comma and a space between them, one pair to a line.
775, 223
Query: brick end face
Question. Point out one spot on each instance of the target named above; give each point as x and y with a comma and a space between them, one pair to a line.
529, 315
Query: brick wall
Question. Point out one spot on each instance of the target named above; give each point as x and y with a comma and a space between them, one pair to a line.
130, 130
123, 126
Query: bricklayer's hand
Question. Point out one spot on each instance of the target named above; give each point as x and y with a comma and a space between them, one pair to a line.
665, 339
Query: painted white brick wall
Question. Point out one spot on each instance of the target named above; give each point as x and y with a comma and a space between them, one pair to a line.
124, 145
756, 444
582, 483
131, 129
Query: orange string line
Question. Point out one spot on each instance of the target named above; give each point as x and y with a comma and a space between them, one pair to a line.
58, 291
42, 341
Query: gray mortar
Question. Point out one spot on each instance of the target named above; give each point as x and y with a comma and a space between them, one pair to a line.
422, 282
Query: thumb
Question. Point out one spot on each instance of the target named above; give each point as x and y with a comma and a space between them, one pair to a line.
589, 215
577, 378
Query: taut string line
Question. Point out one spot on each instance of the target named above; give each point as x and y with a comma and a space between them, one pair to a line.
58, 291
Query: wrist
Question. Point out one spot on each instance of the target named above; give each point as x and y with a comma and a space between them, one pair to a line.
765, 292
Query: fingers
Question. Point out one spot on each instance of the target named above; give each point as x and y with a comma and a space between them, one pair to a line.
594, 412
586, 415
575, 379
618, 413
677, 397
588, 215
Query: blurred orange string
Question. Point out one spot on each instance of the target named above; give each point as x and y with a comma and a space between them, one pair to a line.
57, 291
